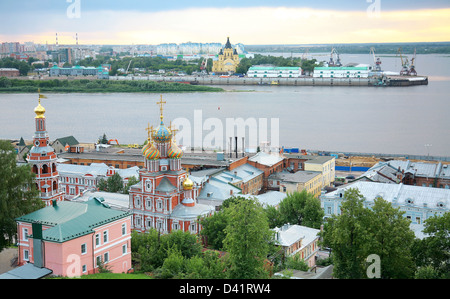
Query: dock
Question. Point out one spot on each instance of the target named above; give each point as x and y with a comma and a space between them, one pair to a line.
300, 81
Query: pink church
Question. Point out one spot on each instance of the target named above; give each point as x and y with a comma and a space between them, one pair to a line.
74, 238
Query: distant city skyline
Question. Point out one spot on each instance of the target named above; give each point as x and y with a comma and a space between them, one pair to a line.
249, 22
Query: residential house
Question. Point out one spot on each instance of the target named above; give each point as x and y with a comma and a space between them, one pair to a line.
73, 238
297, 240
63, 144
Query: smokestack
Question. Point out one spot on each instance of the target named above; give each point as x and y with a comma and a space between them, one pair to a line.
235, 145
230, 146
243, 147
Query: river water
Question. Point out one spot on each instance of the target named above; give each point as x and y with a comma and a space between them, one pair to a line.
397, 120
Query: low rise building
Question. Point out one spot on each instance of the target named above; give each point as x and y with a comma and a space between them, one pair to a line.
425, 174
323, 164
76, 179
9, 72
268, 163
418, 203
359, 71
274, 72
73, 239
63, 144
288, 182
297, 240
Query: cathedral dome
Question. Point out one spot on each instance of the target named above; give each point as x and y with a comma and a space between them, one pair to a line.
174, 152
146, 146
151, 152
39, 110
162, 134
188, 184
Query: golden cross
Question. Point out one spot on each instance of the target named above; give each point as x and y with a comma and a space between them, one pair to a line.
160, 103
173, 130
149, 130
41, 96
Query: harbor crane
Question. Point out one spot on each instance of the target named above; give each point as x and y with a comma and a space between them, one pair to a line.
338, 60
412, 69
305, 54
405, 63
376, 60
204, 65
126, 72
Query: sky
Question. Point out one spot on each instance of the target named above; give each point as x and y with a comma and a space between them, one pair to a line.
250, 22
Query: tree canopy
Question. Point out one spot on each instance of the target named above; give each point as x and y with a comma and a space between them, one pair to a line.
18, 193
359, 232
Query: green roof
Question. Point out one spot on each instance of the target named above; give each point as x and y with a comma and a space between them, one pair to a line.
343, 68
273, 68
70, 220
70, 140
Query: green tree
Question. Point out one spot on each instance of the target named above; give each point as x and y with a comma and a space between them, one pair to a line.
434, 250
173, 265
213, 229
391, 239
114, 183
359, 232
247, 239
273, 216
131, 181
301, 208
102, 185
345, 235
18, 193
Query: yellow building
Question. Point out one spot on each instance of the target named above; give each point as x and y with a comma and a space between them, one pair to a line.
325, 165
227, 61
287, 182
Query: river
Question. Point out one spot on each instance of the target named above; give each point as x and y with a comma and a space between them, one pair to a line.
398, 120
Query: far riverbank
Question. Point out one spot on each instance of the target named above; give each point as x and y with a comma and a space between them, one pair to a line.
97, 86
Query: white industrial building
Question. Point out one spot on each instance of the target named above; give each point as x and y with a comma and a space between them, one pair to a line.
274, 72
358, 71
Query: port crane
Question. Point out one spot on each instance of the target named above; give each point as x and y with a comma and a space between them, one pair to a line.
305, 54
405, 63
376, 60
338, 60
204, 65
412, 69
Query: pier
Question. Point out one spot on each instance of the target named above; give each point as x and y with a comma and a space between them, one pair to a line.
301, 81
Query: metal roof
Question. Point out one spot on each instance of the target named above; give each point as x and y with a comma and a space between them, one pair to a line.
400, 194
266, 159
27, 271
70, 220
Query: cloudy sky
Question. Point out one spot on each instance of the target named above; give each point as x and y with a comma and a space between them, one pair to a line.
245, 21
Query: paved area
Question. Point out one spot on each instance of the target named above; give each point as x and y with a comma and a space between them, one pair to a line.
7, 257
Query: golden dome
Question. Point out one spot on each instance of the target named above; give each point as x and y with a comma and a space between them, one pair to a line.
39, 110
188, 184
